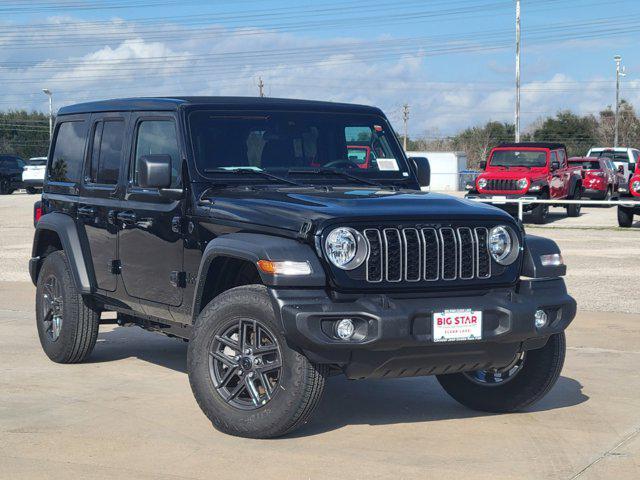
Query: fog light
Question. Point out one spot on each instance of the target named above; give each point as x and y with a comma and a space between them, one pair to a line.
345, 329
541, 318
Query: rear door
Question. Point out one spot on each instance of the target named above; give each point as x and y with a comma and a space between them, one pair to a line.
101, 193
150, 238
565, 173
556, 186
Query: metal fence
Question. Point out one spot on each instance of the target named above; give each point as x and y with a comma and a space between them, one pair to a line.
521, 202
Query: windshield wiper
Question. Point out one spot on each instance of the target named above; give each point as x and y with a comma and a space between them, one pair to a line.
254, 172
341, 173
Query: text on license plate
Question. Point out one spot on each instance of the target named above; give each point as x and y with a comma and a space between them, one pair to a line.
457, 325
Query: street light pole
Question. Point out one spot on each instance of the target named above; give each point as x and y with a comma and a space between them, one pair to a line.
49, 94
517, 120
619, 73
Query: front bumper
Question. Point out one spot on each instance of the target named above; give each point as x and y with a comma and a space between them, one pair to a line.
32, 182
595, 193
398, 340
498, 200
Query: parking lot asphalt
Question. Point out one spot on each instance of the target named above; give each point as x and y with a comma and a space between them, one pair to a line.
129, 413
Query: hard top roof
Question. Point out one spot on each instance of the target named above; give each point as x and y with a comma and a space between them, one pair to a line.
240, 103
550, 146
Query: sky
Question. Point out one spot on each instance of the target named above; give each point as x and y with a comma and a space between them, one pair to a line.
452, 61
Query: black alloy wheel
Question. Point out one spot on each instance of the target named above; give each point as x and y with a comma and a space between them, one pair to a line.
245, 364
52, 306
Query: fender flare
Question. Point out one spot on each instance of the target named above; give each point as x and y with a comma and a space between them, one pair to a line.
253, 247
74, 247
572, 185
532, 266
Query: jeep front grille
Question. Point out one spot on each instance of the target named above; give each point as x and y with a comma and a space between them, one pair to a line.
427, 254
502, 184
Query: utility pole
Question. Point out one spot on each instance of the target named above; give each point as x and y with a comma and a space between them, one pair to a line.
517, 122
261, 86
620, 72
405, 119
49, 94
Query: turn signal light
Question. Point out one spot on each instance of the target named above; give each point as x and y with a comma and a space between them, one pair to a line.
284, 268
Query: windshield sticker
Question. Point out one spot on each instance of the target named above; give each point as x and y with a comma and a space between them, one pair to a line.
387, 164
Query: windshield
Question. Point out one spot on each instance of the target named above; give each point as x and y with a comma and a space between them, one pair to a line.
518, 158
614, 156
278, 142
37, 162
586, 164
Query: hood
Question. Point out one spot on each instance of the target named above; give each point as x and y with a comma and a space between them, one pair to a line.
290, 208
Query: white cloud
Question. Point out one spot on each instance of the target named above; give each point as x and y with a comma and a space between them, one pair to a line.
218, 61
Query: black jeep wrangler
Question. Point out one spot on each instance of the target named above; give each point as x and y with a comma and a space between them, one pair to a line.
243, 226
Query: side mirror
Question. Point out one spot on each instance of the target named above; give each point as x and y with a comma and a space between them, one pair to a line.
483, 165
555, 165
423, 169
154, 171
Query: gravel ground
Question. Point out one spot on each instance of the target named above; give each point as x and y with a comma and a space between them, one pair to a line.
603, 260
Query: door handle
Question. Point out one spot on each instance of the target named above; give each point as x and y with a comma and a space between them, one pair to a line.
127, 217
86, 211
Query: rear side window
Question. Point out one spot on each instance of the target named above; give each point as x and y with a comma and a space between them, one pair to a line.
68, 152
106, 153
158, 137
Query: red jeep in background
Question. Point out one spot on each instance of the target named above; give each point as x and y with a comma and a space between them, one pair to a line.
529, 170
600, 179
360, 154
631, 191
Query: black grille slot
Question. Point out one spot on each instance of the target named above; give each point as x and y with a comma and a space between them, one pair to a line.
427, 254
412, 255
449, 253
467, 253
484, 260
431, 254
393, 254
374, 262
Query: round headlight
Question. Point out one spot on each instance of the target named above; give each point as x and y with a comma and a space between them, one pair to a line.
503, 245
482, 183
346, 248
523, 183
636, 186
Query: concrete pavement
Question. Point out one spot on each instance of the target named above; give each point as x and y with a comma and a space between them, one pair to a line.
129, 413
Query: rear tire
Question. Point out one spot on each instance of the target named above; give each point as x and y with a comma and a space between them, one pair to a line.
538, 374
67, 325
625, 217
239, 402
31, 190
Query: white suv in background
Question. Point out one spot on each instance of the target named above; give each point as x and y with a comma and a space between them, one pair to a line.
33, 174
627, 158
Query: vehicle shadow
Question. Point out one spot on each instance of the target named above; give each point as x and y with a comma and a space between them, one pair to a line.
409, 400
345, 402
133, 342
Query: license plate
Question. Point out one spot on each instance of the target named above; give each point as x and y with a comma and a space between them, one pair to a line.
499, 199
457, 325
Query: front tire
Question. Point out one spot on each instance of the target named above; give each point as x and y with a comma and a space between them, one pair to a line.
67, 325
540, 211
5, 187
244, 376
499, 393
32, 190
574, 210
625, 217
